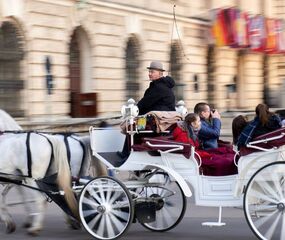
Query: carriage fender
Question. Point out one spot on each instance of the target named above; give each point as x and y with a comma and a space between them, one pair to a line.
180, 180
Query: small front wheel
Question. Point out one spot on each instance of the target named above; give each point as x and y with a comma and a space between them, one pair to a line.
105, 208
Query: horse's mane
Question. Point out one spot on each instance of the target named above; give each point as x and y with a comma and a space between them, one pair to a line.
7, 123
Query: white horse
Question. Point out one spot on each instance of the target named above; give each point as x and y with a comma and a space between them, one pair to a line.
46, 154
79, 157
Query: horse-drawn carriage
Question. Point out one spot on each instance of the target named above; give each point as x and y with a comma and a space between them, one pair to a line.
160, 171
151, 186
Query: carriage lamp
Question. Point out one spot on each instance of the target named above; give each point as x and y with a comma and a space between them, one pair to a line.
180, 108
130, 110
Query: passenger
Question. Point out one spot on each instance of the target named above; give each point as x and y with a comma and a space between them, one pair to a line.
215, 162
211, 125
238, 124
264, 122
281, 114
158, 97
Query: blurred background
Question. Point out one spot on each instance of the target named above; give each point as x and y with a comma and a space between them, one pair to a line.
66, 59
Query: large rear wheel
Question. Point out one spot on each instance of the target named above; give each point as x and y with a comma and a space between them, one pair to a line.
264, 202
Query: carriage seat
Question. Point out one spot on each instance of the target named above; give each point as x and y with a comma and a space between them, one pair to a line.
162, 140
268, 143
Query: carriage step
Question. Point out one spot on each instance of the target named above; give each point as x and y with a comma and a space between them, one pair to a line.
213, 224
219, 223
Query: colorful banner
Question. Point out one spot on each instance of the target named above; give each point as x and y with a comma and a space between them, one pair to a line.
240, 28
235, 28
280, 31
271, 40
218, 28
257, 33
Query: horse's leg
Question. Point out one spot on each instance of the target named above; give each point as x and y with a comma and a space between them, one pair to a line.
38, 215
5, 216
24, 196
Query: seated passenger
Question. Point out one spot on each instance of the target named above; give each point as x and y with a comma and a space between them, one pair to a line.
210, 127
215, 162
264, 122
238, 124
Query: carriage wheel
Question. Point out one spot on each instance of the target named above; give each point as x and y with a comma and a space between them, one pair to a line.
171, 202
105, 208
264, 202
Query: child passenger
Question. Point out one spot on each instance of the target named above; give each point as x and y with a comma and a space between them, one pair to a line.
215, 162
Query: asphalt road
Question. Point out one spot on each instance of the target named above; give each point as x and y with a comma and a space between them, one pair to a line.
190, 227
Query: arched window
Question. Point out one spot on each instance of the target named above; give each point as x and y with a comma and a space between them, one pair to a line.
11, 55
175, 69
132, 68
82, 99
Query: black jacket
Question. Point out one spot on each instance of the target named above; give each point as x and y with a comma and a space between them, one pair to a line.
158, 97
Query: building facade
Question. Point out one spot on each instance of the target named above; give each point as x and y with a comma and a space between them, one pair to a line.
98, 52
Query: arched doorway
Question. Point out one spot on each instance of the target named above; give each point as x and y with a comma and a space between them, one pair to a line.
11, 55
82, 99
132, 68
175, 69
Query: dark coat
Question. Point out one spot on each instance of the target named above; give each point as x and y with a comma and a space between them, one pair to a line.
158, 97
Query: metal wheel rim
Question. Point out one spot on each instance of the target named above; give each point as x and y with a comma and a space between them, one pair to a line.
105, 208
174, 205
264, 202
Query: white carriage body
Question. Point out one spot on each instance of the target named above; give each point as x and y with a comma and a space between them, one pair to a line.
209, 190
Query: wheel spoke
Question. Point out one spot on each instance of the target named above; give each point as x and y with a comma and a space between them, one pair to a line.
102, 225
265, 186
90, 202
264, 207
122, 215
283, 227
272, 228
263, 220
118, 224
278, 188
101, 192
88, 213
110, 230
258, 195
94, 195
116, 195
166, 217
94, 221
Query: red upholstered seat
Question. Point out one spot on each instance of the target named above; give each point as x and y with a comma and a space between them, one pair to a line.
162, 140
267, 144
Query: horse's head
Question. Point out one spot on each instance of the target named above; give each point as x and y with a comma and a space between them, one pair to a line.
7, 123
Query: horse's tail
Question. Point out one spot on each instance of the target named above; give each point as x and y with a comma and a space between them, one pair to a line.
95, 167
64, 177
